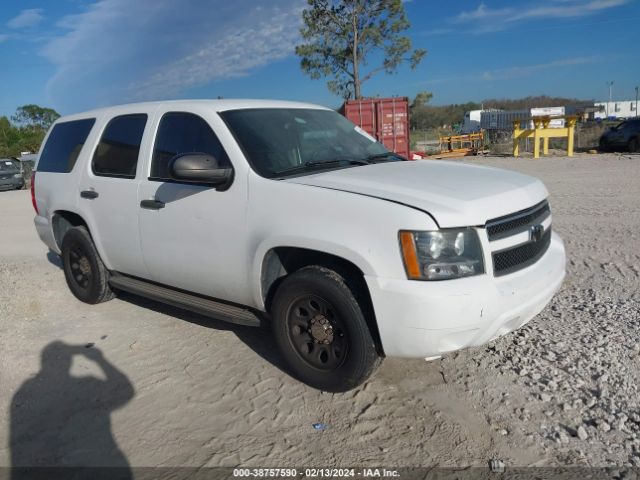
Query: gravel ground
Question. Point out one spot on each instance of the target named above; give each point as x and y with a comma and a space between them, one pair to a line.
571, 375
132, 382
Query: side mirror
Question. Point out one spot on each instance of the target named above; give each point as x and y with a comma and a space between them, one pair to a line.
199, 168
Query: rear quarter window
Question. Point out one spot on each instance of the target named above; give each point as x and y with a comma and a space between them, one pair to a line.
64, 145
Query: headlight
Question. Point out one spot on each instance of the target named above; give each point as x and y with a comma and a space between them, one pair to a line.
17, 175
441, 254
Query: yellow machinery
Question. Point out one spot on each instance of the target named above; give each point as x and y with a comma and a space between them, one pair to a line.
542, 131
461, 145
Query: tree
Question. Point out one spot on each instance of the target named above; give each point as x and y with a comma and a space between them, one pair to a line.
9, 139
419, 111
342, 36
35, 116
421, 99
25, 134
424, 116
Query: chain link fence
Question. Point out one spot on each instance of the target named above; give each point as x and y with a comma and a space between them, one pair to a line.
587, 135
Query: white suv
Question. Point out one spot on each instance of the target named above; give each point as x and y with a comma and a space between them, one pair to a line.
286, 213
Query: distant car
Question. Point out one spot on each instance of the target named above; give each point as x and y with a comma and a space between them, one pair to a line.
10, 175
624, 136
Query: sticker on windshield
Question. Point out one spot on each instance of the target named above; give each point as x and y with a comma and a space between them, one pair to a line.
9, 163
365, 134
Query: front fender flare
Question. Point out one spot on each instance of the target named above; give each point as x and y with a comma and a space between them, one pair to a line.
323, 246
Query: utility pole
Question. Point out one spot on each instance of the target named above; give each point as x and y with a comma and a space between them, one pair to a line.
636, 101
610, 85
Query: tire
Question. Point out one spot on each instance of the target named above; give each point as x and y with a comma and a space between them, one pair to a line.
321, 331
86, 275
634, 145
604, 146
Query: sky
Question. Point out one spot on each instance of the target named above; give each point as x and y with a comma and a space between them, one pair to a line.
75, 55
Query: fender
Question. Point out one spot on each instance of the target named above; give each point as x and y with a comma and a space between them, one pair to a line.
308, 243
90, 225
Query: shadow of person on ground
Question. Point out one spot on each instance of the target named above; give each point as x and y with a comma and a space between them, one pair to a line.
58, 420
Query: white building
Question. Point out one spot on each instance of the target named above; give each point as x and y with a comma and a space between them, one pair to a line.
471, 122
621, 109
503, 119
473, 119
549, 112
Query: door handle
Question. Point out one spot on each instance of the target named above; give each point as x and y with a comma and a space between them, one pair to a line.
91, 194
152, 204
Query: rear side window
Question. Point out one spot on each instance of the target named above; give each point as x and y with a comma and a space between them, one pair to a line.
64, 145
117, 153
181, 132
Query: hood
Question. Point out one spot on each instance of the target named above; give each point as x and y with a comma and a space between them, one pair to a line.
454, 194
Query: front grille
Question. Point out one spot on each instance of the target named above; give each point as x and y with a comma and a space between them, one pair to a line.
521, 256
517, 222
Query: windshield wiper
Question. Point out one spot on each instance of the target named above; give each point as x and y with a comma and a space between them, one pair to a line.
314, 165
381, 156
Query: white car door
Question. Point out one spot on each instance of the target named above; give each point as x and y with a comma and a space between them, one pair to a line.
192, 235
109, 191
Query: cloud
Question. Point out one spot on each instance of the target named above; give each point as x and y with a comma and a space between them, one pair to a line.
439, 31
231, 55
4, 38
107, 55
481, 13
501, 18
528, 70
508, 73
26, 18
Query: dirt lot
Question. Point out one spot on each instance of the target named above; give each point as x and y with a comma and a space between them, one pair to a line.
162, 387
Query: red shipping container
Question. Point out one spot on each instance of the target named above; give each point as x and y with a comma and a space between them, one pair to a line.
386, 119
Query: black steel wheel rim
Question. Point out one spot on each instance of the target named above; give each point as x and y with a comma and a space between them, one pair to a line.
317, 332
80, 267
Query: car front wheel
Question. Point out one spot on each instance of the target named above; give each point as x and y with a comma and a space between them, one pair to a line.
634, 145
321, 331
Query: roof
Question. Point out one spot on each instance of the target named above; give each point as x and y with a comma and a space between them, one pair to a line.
217, 105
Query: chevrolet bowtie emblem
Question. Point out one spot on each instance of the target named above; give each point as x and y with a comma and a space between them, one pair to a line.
536, 232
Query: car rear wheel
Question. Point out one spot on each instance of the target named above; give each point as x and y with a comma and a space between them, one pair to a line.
634, 145
86, 275
321, 331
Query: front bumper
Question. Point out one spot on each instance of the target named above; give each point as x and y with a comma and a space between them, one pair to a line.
427, 319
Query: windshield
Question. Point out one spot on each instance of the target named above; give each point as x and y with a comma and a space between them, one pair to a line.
8, 165
280, 142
